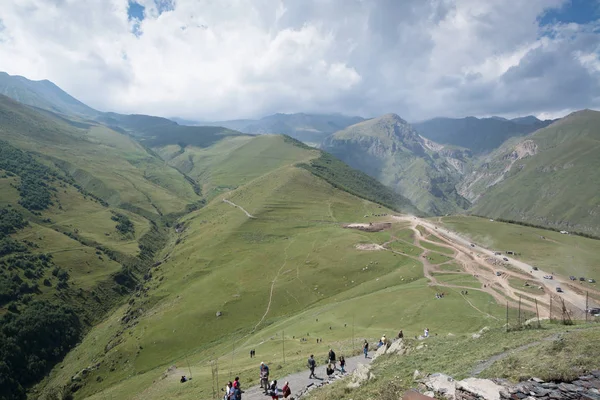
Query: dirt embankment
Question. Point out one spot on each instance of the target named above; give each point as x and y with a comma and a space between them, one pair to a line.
371, 227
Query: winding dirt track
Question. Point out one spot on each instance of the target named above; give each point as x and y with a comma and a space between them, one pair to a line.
483, 264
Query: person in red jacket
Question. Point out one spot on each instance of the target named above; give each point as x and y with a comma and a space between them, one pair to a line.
287, 392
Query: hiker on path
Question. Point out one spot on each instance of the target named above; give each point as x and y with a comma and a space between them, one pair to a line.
342, 364
273, 390
400, 335
366, 348
264, 376
331, 357
286, 391
228, 390
384, 340
426, 332
312, 364
330, 370
235, 393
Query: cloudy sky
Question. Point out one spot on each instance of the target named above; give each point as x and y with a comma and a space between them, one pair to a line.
224, 59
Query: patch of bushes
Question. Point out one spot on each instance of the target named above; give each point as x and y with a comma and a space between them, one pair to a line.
353, 181
124, 224
32, 342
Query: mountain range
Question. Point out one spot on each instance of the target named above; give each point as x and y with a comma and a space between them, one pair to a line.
129, 243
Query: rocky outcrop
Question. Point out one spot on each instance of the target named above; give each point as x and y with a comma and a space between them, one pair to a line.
361, 374
587, 387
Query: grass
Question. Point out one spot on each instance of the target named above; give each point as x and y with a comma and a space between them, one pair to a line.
563, 254
437, 258
439, 249
458, 280
563, 358
458, 355
297, 241
520, 284
405, 248
452, 266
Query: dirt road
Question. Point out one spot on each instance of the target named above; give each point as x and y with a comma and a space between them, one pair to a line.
464, 244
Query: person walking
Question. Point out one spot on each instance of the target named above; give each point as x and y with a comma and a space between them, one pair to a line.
426, 333
228, 390
366, 348
400, 335
312, 364
286, 391
264, 376
332, 357
342, 364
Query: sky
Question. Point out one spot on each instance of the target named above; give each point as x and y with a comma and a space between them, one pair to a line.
229, 59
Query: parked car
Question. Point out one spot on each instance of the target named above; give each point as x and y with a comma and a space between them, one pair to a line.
535, 268
572, 278
593, 311
582, 279
498, 273
591, 280
472, 245
559, 290
548, 277
497, 253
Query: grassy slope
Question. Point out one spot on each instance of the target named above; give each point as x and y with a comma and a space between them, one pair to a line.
564, 254
226, 262
234, 161
457, 356
558, 186
106, 163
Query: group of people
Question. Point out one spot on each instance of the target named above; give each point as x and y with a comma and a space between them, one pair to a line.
331, 364
439, 295
271, 388
233, 390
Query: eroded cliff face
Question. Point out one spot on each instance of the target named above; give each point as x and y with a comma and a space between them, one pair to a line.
493, 170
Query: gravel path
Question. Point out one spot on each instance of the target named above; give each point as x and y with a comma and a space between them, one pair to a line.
299, 382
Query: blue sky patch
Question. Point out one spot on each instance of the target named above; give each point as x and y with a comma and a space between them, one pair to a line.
577, 11
135, 11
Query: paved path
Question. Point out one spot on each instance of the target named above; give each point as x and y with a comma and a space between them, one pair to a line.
299, 381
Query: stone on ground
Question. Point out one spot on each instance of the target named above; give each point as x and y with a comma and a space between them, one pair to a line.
361, 374
441, 384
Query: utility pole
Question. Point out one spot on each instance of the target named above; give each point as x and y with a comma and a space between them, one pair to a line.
550, 308
231, 365
188, 364
587, 294
283, 344
537, 313
352, 333
507, 316
519, 311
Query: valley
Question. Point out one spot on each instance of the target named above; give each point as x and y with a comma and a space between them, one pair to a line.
170, 250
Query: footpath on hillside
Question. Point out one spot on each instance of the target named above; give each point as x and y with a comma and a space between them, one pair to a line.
299, 382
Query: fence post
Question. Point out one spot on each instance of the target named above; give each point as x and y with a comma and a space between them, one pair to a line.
550, 308
519, 311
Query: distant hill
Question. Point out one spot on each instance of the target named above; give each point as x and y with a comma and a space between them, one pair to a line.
390, 150
479, 135
43, 94
549, 177
308, 128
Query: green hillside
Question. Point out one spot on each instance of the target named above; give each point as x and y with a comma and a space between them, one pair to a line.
388, 149
552, 179
290, 266
106, 163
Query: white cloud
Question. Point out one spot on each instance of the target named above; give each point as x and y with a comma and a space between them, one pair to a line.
207, 59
